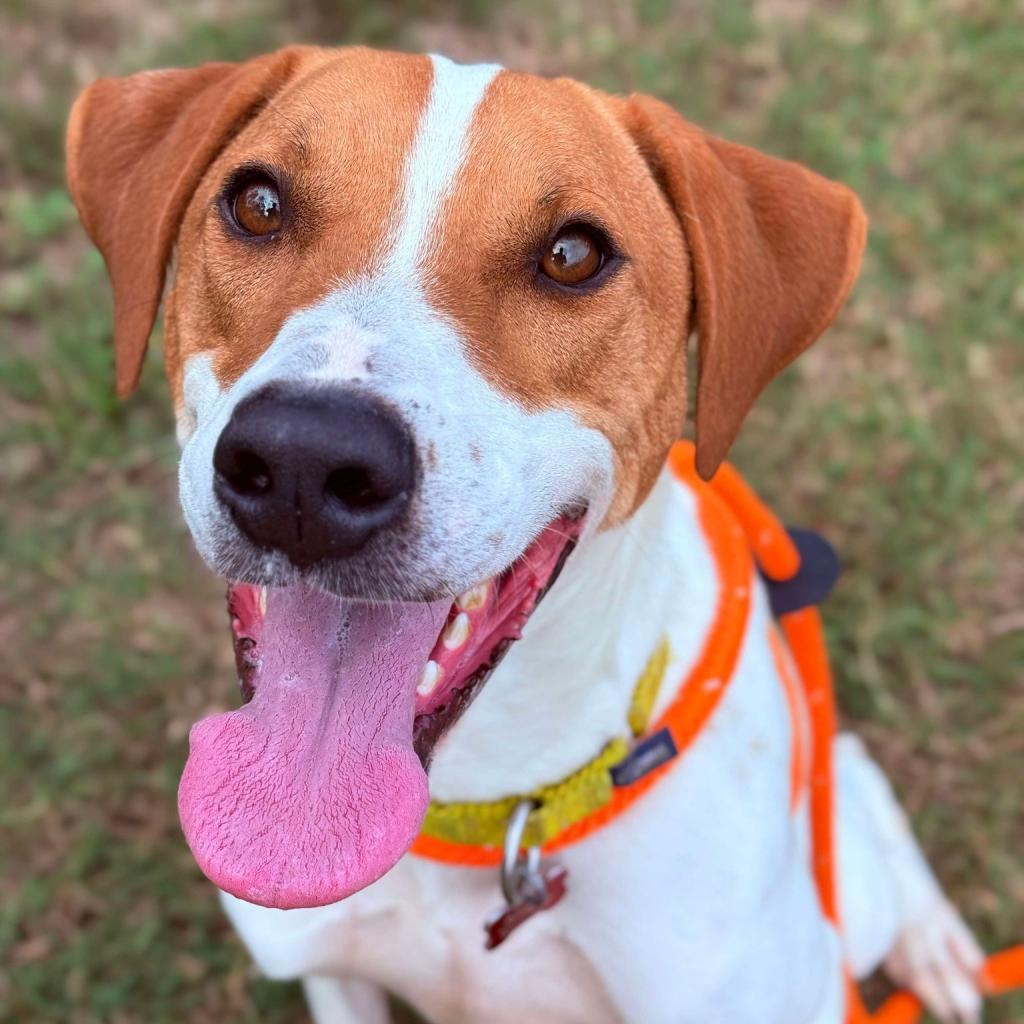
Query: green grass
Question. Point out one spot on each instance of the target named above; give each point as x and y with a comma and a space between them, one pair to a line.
899, 436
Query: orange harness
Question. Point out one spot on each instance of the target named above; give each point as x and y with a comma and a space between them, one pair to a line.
743, 535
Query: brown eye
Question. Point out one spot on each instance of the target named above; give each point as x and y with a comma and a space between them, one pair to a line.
574, 256
257, 207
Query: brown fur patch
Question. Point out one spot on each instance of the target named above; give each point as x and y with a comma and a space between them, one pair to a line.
341, 147
763, 249
542, 153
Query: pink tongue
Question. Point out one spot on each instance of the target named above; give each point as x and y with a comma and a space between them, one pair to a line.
312, 790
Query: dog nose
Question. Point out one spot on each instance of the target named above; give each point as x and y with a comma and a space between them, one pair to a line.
313, 472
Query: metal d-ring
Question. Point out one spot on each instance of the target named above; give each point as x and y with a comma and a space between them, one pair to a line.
521, 878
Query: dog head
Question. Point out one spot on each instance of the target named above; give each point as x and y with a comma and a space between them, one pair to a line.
427, 327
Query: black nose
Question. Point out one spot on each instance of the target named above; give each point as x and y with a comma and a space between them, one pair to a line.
313, 472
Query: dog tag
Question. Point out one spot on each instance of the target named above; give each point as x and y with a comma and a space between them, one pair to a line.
531, 901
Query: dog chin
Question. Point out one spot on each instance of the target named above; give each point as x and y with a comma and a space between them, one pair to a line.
317, 784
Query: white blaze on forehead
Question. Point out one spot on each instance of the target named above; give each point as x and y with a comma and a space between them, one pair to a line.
436, 155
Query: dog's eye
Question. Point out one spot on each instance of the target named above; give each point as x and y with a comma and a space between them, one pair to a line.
574, 256
256, 207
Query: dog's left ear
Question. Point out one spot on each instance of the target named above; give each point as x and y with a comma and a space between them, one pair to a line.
774, 249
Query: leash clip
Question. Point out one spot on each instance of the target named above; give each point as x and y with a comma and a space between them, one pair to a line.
527, 887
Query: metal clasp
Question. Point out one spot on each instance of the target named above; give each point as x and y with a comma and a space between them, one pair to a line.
526, 886
521, 878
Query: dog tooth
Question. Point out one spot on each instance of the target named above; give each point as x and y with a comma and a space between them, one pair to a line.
457, 632
262, 598
474, 597
431, 677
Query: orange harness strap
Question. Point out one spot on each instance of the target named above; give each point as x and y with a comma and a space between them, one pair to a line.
806, 641
779, 560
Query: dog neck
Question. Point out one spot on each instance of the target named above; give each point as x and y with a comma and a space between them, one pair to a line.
563, 691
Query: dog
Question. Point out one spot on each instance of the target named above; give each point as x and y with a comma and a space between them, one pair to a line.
426, 342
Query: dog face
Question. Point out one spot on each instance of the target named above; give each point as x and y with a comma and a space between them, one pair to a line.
427, 327
415, 286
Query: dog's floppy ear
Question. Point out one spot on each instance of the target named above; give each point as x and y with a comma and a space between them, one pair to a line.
137, 148
774, 249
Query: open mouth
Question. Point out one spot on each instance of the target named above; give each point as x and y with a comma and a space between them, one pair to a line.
317, 785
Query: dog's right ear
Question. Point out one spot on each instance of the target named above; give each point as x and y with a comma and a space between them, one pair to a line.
137, 148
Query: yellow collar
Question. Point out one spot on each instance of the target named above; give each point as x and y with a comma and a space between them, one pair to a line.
562, 803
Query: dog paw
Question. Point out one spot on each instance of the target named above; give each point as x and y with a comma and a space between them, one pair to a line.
939, 960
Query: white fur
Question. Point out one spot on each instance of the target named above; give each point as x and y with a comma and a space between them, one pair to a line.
696, 905
437, 155
658, 902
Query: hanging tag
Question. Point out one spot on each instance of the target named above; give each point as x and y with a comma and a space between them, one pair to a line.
504, 922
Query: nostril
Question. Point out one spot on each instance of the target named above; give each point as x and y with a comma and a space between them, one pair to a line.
249, 475
354, 487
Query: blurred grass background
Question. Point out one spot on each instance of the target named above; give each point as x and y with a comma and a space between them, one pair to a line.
899, 436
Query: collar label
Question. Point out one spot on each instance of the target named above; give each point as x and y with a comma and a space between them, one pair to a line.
652, 753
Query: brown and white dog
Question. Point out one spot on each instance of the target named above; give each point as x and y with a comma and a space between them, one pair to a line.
426, 332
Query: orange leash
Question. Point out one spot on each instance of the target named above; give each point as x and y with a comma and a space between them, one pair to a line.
1002, 973
779, 560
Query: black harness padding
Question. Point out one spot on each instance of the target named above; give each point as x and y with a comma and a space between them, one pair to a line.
819, 570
